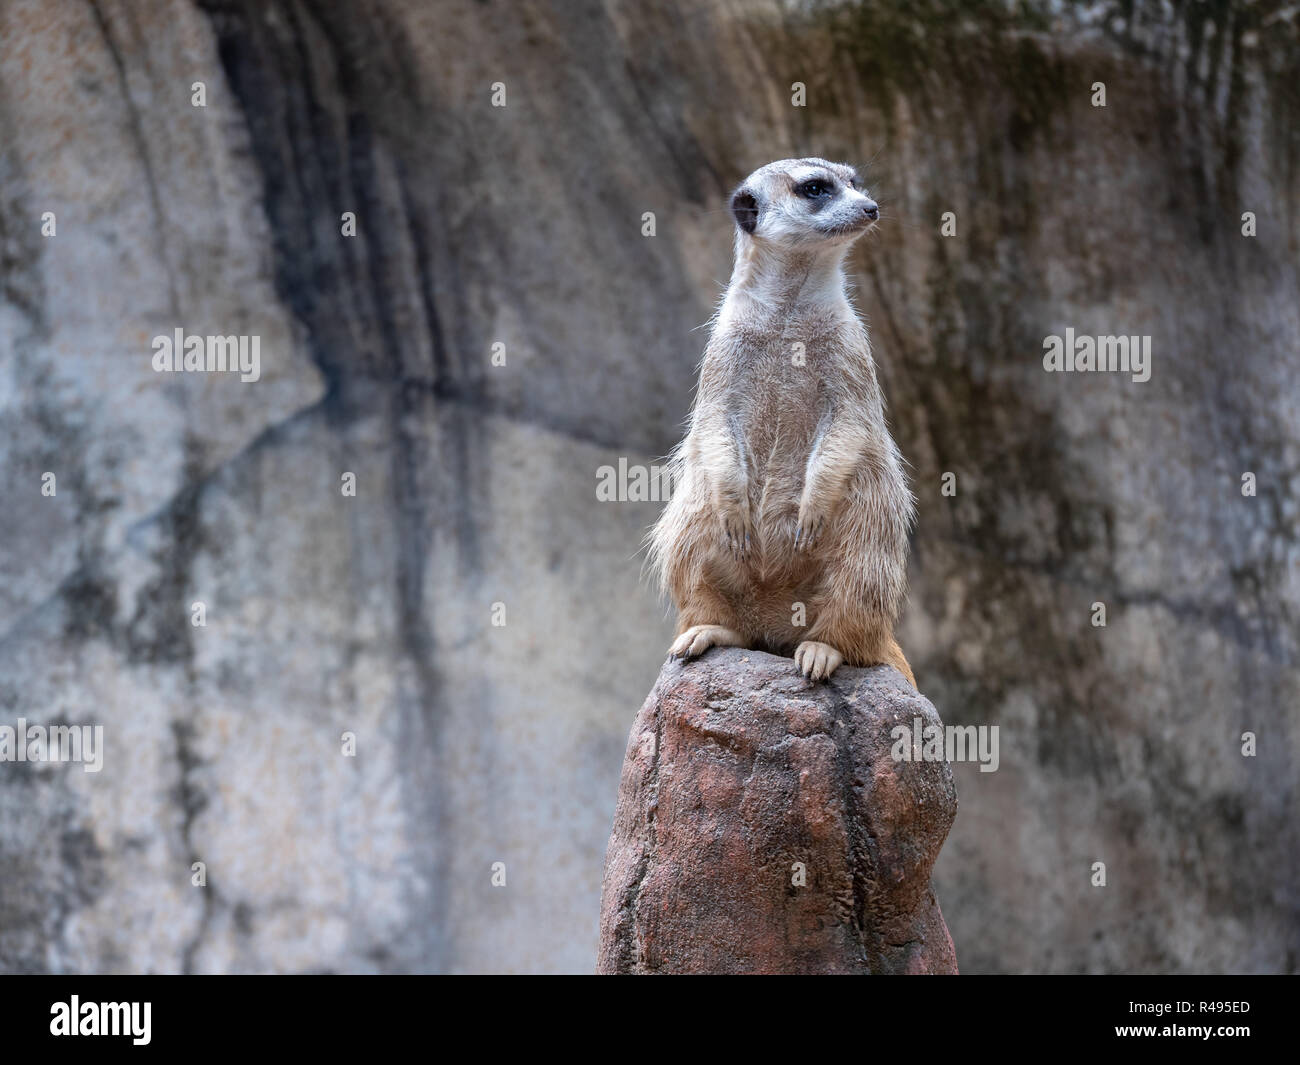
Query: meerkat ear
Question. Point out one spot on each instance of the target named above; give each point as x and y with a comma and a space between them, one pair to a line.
745, 208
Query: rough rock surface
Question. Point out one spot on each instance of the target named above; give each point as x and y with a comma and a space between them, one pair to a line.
763, 826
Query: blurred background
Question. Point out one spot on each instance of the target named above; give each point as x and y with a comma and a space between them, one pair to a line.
476, 483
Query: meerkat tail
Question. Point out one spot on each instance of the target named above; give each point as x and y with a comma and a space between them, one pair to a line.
893, 656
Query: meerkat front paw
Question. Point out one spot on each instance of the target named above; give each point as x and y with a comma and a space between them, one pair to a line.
737, 533
812, 523
699, 638
817, 661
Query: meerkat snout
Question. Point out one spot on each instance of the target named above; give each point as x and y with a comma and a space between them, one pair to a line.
802, 202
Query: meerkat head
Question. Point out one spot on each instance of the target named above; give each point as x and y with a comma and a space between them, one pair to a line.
803, 203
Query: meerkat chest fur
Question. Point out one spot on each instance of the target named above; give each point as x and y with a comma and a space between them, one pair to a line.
785, 361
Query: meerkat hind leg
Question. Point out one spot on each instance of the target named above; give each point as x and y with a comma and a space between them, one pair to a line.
817, 660
699, 638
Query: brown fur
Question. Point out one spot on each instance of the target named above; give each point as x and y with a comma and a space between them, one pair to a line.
788, 488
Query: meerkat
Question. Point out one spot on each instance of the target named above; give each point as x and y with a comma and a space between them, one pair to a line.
787, 527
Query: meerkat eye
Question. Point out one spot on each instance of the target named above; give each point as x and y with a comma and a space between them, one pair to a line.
815, 189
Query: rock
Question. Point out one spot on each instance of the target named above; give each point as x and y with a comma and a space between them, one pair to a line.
742, 779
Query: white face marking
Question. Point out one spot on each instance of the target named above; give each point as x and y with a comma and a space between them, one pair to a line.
806, 173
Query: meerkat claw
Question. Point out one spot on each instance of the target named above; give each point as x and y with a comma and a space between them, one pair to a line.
738, 541
817, 661
807, 535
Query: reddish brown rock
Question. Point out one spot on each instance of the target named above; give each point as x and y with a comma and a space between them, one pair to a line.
738, 773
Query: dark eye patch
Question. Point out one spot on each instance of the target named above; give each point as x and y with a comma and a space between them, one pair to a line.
815, 189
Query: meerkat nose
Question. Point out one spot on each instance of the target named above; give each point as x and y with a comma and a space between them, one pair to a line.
871, 210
